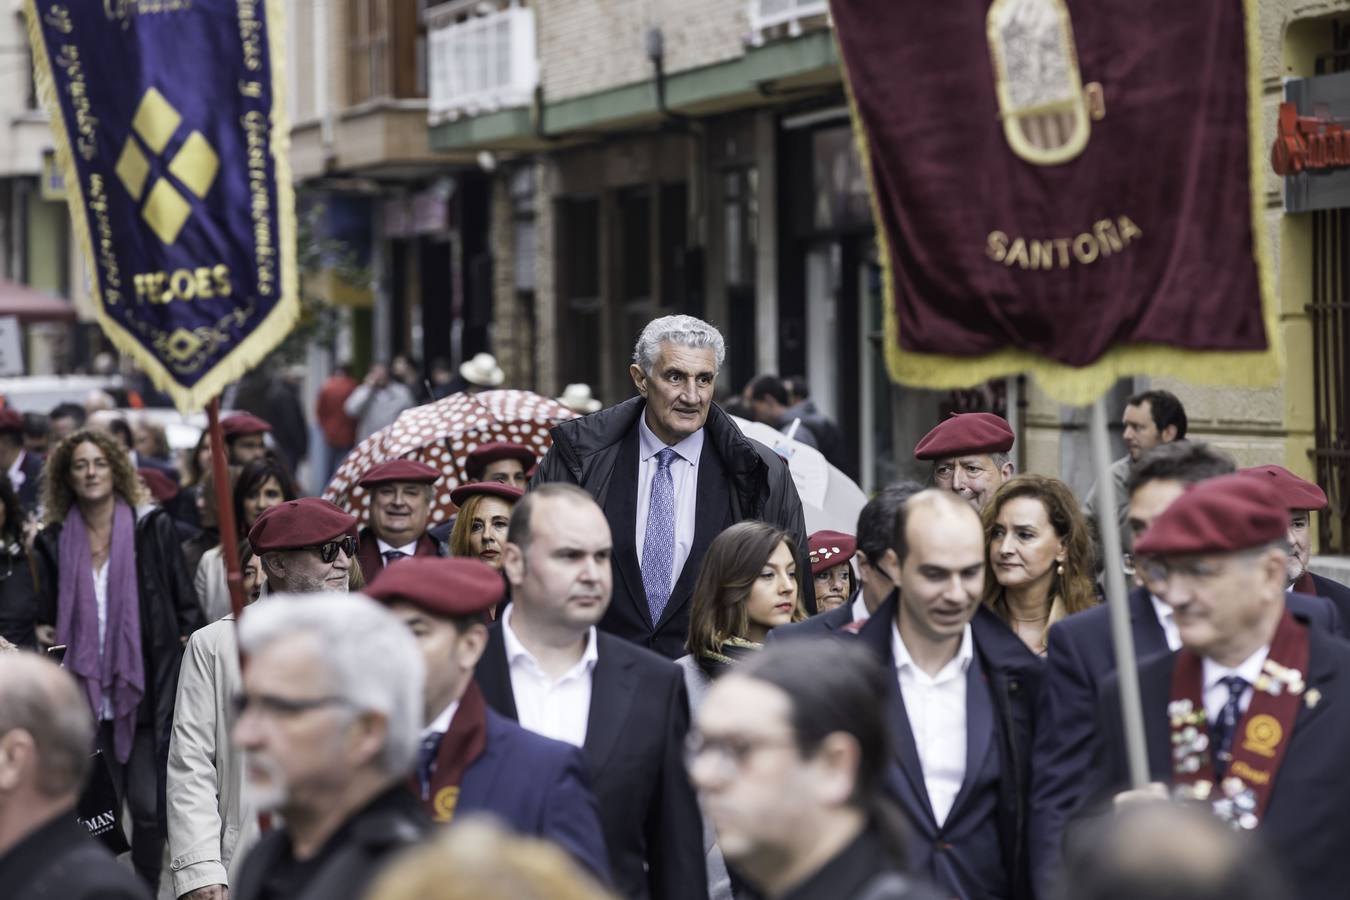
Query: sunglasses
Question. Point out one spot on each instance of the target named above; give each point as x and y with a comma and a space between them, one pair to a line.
328, 551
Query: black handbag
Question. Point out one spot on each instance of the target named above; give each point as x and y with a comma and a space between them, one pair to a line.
100, 809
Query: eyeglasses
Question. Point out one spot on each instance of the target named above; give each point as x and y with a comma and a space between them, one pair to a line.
730, 754
328, 551
1159, 571
282, 707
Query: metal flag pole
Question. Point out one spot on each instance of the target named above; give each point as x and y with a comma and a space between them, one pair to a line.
229, 540
1131, 708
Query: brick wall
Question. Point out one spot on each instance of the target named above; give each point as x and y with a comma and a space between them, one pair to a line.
591, 45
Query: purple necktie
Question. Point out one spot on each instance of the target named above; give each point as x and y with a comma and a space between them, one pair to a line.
658, 544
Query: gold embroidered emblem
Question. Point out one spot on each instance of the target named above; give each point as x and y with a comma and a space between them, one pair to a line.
443, 804
1045, 109
1263, 736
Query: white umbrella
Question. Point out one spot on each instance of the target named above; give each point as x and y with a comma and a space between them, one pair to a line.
830, 499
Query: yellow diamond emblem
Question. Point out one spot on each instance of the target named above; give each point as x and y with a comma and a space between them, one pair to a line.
165, 210
156, 120
183, 343
132, 167
196, 164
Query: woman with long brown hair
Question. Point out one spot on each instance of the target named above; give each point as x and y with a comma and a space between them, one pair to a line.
752, 580
112, 588
1039, 557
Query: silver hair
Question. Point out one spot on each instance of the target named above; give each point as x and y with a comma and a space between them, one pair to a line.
372, 659
683, 331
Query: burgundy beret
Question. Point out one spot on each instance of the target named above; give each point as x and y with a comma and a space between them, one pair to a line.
306, 522
399, 470
11, 420
443, 586
1296, 492
1220, 515
830, 548
485, 454
243, 423
508, 492
161, 486
964, 434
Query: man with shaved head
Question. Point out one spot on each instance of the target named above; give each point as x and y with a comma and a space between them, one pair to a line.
960, 702
45, 735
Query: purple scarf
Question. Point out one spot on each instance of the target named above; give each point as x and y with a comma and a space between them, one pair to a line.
115, 670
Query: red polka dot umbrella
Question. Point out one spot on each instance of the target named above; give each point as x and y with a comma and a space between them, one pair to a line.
443, 434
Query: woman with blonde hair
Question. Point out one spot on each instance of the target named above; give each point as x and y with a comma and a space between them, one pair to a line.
1039, 556
112, 588
479, 860
484, 514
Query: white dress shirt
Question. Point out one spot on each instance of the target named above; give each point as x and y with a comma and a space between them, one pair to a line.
936, 706
860, 608
16, 473
684, 474
407, 549
441, 724
1216, 693
1168, 620
557, 709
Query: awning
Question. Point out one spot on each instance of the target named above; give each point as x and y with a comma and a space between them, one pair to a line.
32, 305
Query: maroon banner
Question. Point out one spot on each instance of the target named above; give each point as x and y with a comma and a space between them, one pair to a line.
1061, 184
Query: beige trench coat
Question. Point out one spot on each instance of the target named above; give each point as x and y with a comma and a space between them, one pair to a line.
211, 824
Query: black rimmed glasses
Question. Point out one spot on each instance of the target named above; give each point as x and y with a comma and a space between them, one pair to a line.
730, 754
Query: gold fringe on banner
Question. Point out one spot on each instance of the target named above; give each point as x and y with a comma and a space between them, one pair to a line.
1081, 386
269, 333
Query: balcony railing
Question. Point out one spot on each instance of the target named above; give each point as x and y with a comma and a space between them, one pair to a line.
480, 63
769, 14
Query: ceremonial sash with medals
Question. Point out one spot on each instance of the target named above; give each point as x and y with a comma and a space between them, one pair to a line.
1259, 741
461, 745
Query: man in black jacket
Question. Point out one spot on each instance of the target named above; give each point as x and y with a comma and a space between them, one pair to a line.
671, 471
23, 468
45, 734
549, 668
960, 704
328, 721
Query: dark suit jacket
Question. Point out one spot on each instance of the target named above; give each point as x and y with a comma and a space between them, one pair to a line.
738, 479
1080, 656
539, 787
60, 861
31, 492
634, 750
1013, 674
819, 625
1305, 823
368, 552
1336, 592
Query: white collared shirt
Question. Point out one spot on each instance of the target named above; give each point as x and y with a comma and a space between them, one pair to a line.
557, 709
1216, 693
684, 475
16, 473
407, 549
937, 717
1168, 620
860, 608
441, 724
